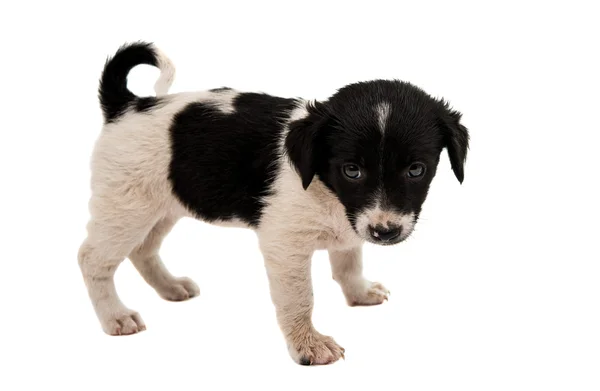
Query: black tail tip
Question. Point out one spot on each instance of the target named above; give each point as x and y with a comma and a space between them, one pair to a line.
114, 95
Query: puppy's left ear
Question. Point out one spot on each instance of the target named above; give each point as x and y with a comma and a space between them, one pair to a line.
456, 140
301, 144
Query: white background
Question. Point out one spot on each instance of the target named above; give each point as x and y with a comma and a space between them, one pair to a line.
498, 289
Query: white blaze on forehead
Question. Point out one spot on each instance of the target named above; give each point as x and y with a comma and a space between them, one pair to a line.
383, 112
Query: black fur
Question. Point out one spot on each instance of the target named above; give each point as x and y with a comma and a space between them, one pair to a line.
345, 129
223, 164
115, 97
302, 145
456, 139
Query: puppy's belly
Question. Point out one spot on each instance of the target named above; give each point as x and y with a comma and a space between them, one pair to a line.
232, 223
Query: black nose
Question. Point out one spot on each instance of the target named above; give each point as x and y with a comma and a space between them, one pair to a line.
382, 234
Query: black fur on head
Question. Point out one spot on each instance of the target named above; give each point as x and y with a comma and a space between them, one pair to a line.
388, 130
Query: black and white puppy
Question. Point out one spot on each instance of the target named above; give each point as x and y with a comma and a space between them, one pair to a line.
303, 175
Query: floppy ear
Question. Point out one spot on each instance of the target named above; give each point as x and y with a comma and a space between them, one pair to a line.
456, 140
301, 143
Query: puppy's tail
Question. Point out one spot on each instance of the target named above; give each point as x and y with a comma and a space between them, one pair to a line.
114, 95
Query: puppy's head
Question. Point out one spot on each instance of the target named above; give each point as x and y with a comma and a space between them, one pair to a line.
376, 146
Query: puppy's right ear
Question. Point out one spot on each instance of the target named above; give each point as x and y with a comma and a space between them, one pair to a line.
301, 143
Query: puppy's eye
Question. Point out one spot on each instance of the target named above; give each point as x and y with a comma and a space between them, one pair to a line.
416, 170
352, 171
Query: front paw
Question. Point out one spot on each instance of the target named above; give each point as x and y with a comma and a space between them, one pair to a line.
125, 322
178, 289
313, 348
366, 293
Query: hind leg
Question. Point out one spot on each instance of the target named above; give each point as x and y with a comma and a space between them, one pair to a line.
113, 232
146, 260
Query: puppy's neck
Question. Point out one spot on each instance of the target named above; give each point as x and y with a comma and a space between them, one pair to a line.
321, 194
324, 210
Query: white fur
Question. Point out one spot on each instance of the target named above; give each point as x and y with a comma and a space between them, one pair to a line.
130, 206
314, 219
231, 223
223, 100
167, 73
346, 267
383, 112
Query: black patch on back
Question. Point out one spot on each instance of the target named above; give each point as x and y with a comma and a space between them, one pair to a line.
220, 89
223, 164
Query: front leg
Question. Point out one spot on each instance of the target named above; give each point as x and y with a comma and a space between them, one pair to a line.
291, 292
346, 266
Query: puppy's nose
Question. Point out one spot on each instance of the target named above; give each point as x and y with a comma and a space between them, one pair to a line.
382, 234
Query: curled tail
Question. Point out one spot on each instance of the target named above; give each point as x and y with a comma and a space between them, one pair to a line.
114, 95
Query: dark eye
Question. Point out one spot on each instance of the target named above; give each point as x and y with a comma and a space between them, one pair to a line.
352, 171
416, 170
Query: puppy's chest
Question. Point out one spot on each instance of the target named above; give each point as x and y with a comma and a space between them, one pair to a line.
313, 218
335, 231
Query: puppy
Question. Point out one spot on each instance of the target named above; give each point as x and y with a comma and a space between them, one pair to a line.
303, 175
